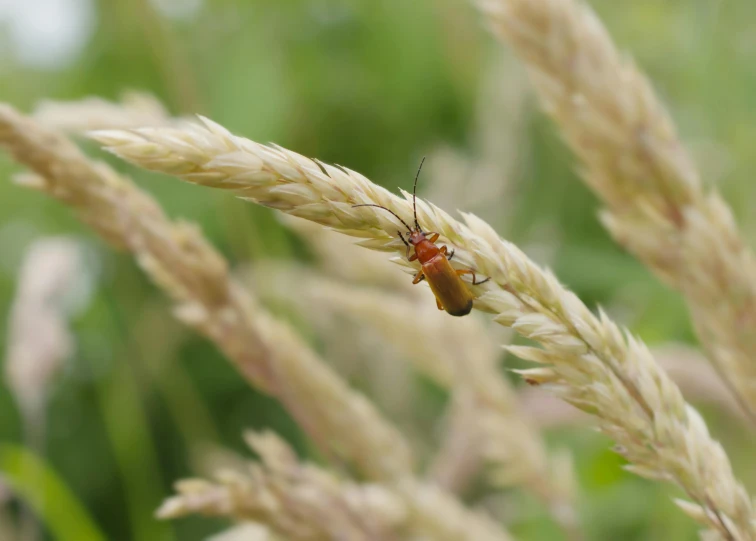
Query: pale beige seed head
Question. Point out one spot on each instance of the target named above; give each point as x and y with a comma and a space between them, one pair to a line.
39, 340
135, 109
179, 260
184, 264
591, 362
633, 159
303, 502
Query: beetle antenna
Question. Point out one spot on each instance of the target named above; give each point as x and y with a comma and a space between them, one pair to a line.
389, 210
414, 191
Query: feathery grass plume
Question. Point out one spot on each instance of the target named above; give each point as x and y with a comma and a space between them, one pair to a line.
458, 459
436, 514
136, 109
484, 421
245, 531
590, 361
299, 501
689, 368
266, 351
686, 366
305, 503
427, 339
338, 256
632, 158
39, 340
459, 355
353, 349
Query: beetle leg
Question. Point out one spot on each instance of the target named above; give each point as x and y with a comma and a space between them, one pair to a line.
413, 257
438, 303
445, 251
475, 282
433, 237
419, 277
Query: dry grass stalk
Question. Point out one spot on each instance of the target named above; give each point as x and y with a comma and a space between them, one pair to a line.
338, 256
266, 351
136, 109
436, 514
491, 175
461, 356
459, 457
39, 340
305, 503
590, 361
301, 502
484, 423
633, 159
245, 531
697, 378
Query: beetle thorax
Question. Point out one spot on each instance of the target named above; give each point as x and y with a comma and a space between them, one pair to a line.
424, 249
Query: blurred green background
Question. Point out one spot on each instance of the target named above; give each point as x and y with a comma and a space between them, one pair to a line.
373, 86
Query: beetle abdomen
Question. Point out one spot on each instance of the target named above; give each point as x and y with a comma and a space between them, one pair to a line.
447, 286
462, 310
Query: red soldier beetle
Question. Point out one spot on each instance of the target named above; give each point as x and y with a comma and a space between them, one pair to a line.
451, 293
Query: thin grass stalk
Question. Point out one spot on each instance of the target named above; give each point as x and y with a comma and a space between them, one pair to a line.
158, 356
127, 426
633, 159
589, 360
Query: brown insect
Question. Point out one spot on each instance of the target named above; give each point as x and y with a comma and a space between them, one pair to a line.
451, 292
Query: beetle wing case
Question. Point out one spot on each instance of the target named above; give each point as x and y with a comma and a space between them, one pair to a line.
447, 286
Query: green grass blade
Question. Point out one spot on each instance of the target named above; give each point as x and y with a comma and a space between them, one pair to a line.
34, 481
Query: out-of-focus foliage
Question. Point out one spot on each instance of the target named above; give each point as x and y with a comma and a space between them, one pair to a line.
374, 86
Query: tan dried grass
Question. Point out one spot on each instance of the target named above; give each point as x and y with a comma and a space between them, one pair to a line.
135, 109
39, 340
589, 361
267, 352
307, 503
176, 256
633, 159
461, 355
